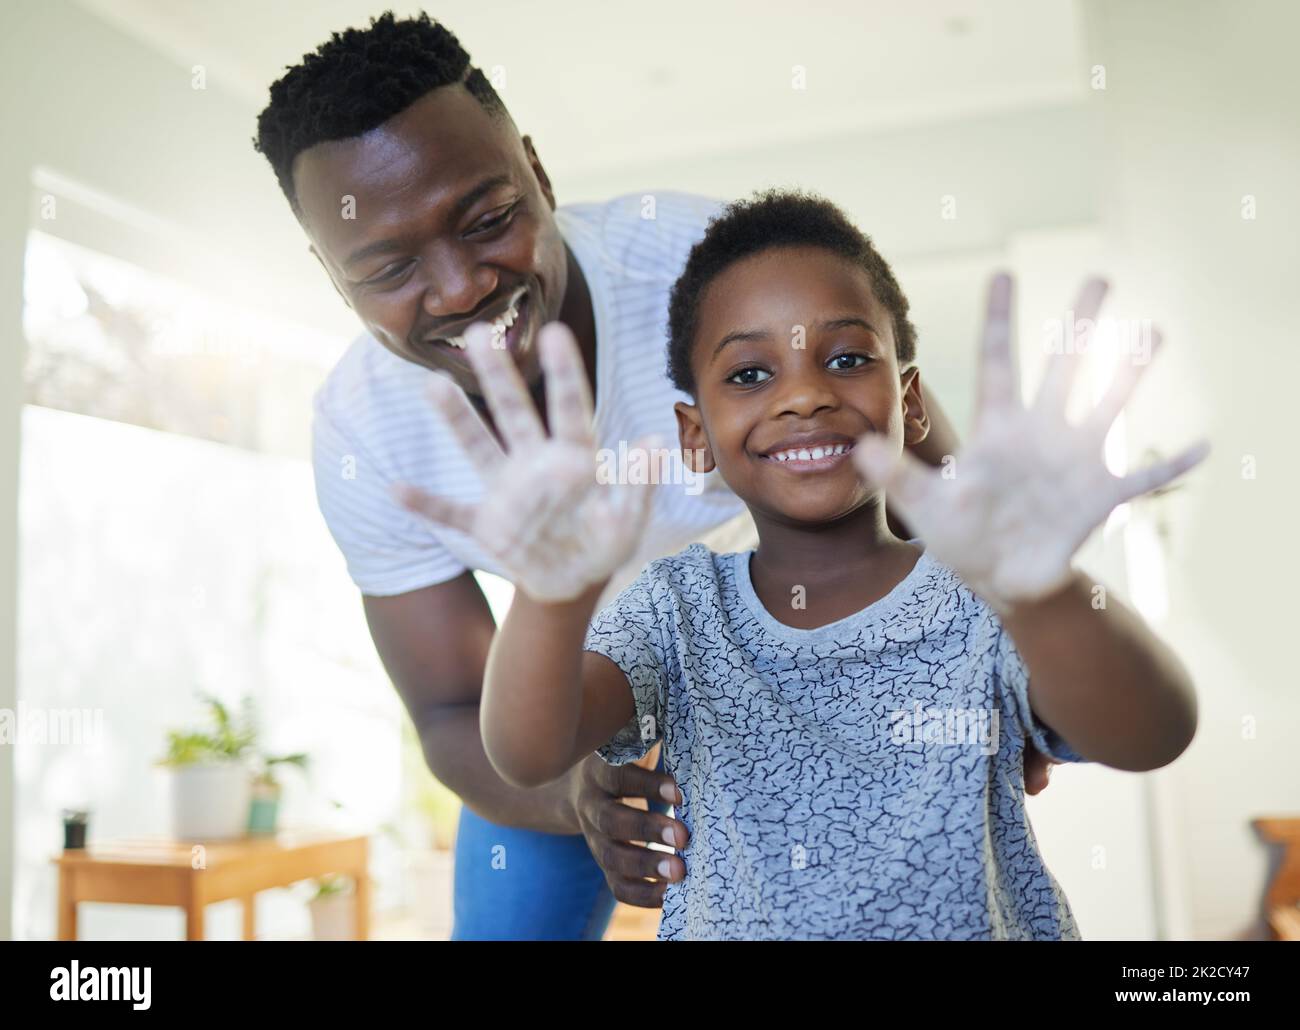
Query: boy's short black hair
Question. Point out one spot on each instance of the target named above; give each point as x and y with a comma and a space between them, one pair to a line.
775, 218
356, 81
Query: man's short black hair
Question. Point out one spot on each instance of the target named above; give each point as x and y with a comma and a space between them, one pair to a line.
775, 218
356, 81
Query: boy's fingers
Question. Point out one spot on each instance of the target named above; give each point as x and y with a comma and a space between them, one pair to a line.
442, 510
998, 387
568, 394
1054, 393
465, 423
1127, 373
503, 388
902, 476
1144, 480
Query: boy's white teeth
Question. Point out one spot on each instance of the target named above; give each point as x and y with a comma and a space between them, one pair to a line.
810, 454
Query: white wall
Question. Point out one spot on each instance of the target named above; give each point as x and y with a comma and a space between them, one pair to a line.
1200, 111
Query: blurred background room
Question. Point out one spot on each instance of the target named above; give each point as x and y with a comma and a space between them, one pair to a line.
167, 584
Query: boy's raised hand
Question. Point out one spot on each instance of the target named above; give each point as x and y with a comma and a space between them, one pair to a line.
1015, 504
554, 530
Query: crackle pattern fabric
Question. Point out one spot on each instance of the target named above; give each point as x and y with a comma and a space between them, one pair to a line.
860, 780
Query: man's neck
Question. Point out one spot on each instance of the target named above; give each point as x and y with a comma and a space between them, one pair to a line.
577, 313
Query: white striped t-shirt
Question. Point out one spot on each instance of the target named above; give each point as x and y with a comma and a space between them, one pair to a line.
374, 425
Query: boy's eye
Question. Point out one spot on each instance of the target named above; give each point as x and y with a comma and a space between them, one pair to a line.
836, 362
747, 376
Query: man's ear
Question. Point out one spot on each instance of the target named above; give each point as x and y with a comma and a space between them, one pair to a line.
329, 274
543, 179
697, 455
916, 420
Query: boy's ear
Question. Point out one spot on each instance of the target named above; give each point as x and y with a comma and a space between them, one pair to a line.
916, 420
696, 453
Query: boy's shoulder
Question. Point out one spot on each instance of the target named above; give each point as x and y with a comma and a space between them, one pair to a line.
691, 562
692, 575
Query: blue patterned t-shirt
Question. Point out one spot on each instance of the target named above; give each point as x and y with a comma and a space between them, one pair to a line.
859, 780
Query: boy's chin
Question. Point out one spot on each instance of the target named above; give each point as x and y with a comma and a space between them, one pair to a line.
811, 510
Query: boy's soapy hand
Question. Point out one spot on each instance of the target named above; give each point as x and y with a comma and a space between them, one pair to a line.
554, 530
1015, 504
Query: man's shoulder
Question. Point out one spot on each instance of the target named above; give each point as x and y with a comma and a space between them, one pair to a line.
647, 234
367, 379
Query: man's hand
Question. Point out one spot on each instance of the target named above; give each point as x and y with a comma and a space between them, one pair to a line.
554, 530
1029, 487
1038, 769
636, 874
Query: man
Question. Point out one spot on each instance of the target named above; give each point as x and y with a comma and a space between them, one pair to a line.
429, 211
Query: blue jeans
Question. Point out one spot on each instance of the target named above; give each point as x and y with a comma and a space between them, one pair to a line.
513, 885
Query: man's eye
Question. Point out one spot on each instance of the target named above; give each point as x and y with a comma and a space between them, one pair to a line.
494, 221
851, 357
745, 377
389, 274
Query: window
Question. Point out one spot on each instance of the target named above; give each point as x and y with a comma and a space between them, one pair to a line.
171, 544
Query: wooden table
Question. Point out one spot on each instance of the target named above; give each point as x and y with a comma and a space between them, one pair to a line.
192, 875
1284, 892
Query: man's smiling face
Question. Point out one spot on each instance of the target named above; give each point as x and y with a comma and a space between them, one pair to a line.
777, 411
453, 223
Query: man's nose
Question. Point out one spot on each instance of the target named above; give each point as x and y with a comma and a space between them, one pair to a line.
457, 286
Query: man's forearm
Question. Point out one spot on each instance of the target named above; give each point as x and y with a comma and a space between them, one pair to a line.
454, 752
1102, 680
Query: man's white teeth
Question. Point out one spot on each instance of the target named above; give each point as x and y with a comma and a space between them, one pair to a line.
810, 454
500, 325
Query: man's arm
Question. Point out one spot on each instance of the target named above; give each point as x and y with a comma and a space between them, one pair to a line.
434, 644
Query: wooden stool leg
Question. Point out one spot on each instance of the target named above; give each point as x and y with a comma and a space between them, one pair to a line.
362, 879
194, 911
250, 917
67, 906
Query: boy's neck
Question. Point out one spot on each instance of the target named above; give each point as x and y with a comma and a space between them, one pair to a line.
842, 567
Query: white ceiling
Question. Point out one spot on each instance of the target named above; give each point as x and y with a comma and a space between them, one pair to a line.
606, 84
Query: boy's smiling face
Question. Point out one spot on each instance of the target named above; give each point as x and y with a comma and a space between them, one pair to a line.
792, 350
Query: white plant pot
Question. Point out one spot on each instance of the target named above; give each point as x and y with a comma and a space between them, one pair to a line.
210, 801
333, 917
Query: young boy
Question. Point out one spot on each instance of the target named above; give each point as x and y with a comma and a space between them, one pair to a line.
844, 710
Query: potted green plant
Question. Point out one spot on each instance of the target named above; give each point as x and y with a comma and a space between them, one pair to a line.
211, 775
264, 811
333, 909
